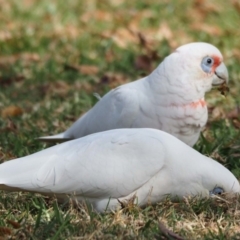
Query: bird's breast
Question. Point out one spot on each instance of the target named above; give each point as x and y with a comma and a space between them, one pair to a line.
184, 121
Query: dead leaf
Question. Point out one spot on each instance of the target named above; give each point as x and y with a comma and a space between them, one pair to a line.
236, 4
113, 79
88, 70
29, 57
137, 17
28, 3
11, 111
123, 37
216, 156
97, 15
6, 81
11, 126
71, 118
210, 29
14, 224
206, 7
5, 231
116, 3
234, 114
235, 53
148, 45
109, 56
86, 86
150, 38
84, 69
143, 62
218, 113
5, 35
60, 88
5, 6
5, 155
180, 38
236, 123
143, 41
165, 31
69, 31
201, 9
224, 89
26, 57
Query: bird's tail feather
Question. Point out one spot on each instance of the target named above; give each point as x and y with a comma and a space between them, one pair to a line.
15, 174
55, 138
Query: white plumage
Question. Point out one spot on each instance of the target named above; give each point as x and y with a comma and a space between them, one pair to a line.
114, 165
171, 98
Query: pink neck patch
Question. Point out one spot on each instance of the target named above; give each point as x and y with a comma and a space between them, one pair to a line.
199, 103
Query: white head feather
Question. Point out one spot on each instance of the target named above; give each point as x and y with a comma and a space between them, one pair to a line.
182, 76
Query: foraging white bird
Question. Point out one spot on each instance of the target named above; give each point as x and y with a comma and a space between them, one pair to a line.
171, 98
105, 167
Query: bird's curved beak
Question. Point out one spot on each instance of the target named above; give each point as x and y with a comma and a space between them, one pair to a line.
220, 76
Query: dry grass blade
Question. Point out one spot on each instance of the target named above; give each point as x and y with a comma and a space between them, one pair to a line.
128, 203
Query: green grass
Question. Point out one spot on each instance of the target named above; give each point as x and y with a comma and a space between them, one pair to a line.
39, 39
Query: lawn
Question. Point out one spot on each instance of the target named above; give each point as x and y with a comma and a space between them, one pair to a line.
55, 54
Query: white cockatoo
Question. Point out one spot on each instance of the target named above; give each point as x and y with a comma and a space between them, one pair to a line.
110, 167
171, 98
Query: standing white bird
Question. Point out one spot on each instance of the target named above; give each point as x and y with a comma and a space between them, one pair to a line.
105, 167
171, 98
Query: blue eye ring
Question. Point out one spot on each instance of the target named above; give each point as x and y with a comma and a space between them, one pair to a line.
207, 63
217, 191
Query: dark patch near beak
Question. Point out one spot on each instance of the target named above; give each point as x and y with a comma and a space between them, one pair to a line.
221, 75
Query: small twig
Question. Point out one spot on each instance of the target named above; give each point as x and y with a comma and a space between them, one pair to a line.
168, 233
220, 198
97, 96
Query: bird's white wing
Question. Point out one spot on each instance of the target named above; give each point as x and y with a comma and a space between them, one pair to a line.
117, 109
114, 163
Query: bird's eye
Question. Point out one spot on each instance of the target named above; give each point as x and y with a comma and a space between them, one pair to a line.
207, 64
209, 60
217, 191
